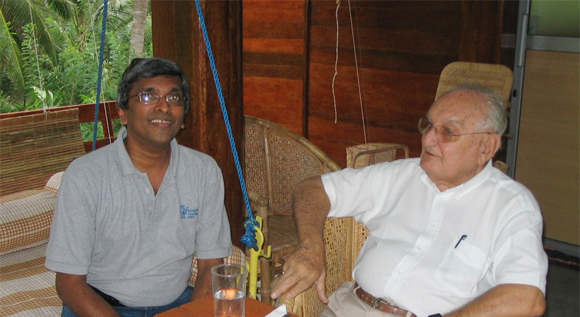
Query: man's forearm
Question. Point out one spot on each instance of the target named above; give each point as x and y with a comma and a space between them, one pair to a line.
310, 209
306, 265
203, 282
508, 300
77, 295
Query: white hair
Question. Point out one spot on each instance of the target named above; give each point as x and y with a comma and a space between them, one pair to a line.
496, 115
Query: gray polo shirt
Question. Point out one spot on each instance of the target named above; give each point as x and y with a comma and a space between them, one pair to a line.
132, 244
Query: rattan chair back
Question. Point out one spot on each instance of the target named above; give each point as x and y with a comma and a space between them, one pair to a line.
277, 159
498, 78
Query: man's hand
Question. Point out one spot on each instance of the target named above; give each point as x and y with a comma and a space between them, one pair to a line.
303, 268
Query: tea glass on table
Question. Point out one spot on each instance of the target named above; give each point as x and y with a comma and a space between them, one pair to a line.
229, 290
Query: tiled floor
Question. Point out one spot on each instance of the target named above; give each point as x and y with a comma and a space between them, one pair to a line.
562, 292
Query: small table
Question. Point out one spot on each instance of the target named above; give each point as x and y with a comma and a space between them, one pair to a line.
204, 308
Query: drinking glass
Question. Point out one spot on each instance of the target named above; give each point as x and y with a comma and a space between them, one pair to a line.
229, 290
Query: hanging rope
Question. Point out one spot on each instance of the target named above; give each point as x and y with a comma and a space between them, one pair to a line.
250, 224
100, 74
362, 113
335, 63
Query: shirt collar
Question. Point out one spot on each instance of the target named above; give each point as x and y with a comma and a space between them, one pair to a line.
464, 188
126, 164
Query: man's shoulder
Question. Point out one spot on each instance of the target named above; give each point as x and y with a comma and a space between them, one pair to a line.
408, 164
190, 156
511, 189
93, 160
190, 153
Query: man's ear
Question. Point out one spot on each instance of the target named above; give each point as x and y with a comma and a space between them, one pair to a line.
122, 115
490, 146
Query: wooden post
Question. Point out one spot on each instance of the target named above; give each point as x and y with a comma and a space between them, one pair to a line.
177, 36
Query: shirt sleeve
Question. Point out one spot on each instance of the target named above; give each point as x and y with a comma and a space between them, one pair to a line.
520, 257
350, 191
72, 232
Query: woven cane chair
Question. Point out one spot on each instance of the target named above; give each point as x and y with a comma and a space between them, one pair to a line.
498, 78
276, 160
344, 237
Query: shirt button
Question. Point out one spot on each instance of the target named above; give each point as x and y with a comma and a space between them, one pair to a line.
400, 272
432, 225
419, 249
147, 190
150, 208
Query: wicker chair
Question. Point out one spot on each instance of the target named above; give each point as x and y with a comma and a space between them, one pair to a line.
498, 78
344, 237
276, 160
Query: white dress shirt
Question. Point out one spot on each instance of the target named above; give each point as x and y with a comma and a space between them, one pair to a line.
431, 251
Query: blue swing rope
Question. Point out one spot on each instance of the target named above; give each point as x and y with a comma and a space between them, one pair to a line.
101, 54
249, 238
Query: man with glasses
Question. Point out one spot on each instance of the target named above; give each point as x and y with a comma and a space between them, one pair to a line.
130, 216
449, 234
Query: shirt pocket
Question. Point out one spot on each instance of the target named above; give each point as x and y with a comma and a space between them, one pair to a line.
462, 268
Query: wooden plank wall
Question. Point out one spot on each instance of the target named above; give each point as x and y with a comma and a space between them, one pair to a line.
401, 48
274, 38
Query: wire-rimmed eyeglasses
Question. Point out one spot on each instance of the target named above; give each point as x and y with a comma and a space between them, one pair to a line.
149, 98
443, 133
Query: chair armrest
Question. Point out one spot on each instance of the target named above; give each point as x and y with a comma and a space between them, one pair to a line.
53, 183
260, 203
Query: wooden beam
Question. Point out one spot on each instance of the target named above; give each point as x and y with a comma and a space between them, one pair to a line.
481, 25
177, 36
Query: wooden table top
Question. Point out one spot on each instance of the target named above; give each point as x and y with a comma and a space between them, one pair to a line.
204, 308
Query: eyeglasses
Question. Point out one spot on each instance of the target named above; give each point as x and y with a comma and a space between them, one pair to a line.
443, 133
148, 98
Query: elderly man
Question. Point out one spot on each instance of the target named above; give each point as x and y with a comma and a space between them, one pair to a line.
130, 216
449, 234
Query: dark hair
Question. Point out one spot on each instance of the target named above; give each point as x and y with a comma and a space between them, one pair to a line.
148, 68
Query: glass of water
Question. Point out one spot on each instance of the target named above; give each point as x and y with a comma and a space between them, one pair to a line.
229, 290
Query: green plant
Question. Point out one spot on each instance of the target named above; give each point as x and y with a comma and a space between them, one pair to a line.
36, 72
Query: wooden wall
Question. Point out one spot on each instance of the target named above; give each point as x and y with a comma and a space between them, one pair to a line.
274, 40
401, 48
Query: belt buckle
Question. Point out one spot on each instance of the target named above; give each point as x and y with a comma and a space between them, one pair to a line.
376, 302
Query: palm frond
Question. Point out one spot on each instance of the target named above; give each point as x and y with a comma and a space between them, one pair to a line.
10, 55
64, 8
22, 12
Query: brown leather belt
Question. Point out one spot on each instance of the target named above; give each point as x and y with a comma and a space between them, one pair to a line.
380, 304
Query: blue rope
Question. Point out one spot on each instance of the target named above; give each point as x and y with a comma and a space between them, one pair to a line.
101, 54
249, 238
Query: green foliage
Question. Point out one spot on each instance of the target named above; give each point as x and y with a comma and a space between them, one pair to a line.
87, 130
55, 60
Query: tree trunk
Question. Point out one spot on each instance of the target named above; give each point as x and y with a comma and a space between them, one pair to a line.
138, 26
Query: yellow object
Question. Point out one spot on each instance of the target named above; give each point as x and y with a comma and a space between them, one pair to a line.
254, 254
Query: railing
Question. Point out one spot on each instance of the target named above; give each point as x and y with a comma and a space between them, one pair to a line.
107, 113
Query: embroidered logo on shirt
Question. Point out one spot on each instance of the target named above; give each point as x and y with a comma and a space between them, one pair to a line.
187, 213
